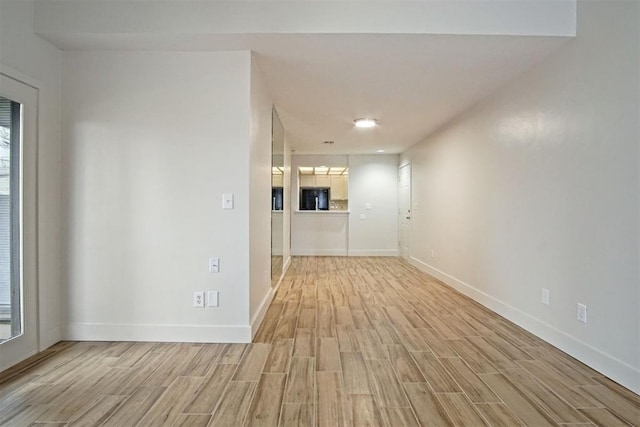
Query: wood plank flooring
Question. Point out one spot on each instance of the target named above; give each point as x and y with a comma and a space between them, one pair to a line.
346, 341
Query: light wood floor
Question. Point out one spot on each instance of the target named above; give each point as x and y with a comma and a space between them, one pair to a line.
276, 269
347, 341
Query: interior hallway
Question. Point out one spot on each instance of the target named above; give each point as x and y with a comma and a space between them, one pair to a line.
346, 341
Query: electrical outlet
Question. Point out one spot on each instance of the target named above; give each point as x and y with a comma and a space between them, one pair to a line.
433, 253
212, 299
545, 296
582, 313
198, 299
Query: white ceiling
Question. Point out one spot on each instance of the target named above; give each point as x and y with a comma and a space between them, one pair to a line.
411, 83
320, 82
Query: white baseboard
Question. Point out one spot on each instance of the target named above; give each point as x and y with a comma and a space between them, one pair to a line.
264, 306
266, 302
345, 252
8, 362
319, 252
47, 338
160, 333
374, 252
599, 360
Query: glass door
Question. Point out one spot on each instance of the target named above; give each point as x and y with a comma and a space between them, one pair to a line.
10, 289
18, 302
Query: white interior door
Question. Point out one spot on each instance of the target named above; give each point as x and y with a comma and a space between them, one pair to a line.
18, 287
404, 211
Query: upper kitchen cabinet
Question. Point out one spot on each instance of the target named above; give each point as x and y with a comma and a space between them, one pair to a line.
277, 177
308, 181
339, 187
323, 181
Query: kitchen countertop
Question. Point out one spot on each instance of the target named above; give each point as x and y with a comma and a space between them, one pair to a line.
332, 212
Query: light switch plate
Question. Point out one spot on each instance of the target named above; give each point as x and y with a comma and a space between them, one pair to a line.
214, 265
212, 299
227, 201
544, 298
581, 312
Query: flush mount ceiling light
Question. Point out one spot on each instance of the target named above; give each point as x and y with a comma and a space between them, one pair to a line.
365, 122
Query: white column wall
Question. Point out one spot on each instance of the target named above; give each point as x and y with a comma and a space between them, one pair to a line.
151, 142
261, 292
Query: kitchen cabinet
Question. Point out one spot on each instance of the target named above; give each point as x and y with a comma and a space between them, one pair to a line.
339, 187
339, 184
308, 181
323, 181
276, 181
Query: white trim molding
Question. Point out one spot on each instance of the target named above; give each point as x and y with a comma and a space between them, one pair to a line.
264, 306
156, 332
266, 302
599, 360
319, 252
373, 252
286, 265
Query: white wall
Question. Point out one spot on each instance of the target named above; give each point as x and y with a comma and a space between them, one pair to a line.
28, 58
373, 202
320, 233
538, 186
260, 197
151, 141
373, 179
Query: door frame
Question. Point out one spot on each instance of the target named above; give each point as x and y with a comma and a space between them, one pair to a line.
404, 254
27, 344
